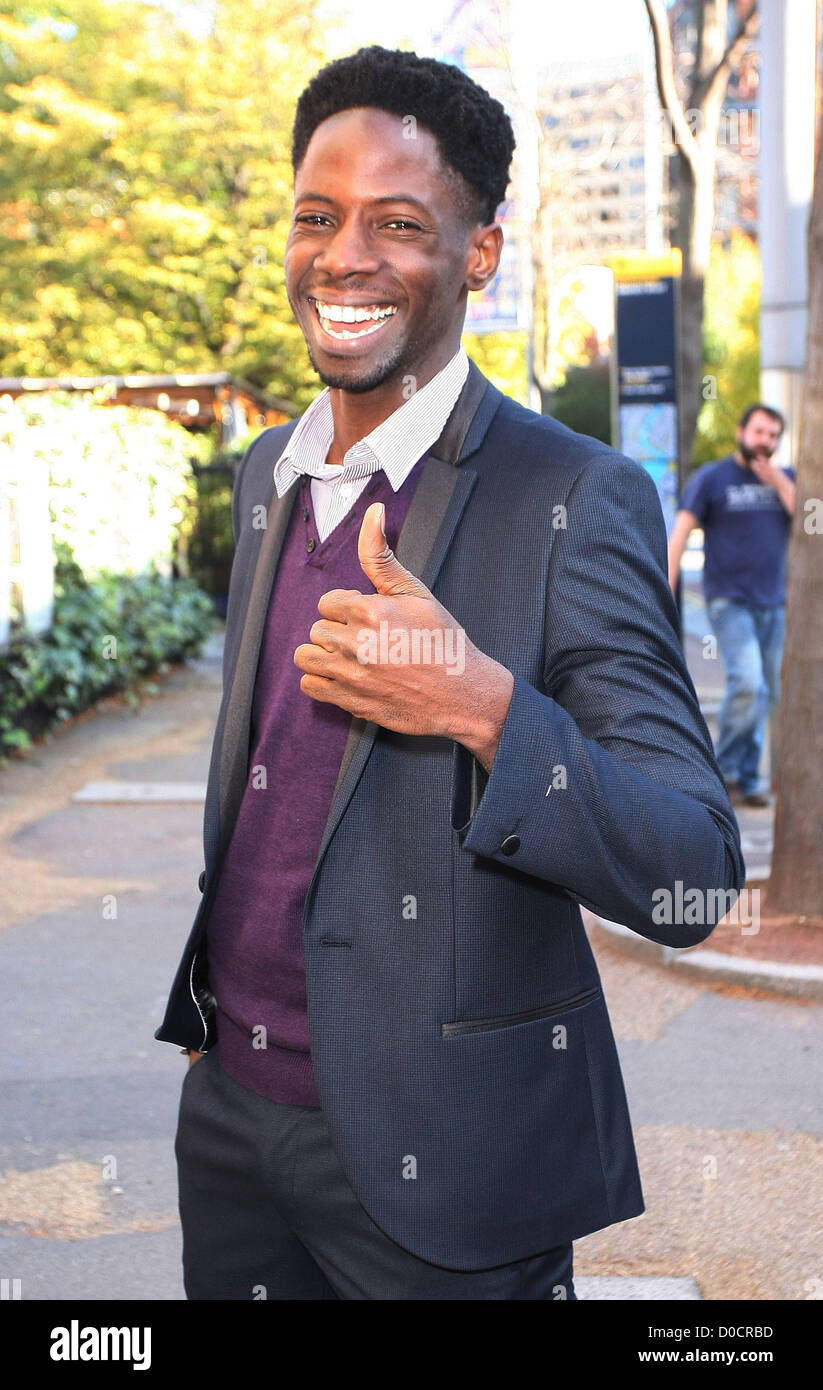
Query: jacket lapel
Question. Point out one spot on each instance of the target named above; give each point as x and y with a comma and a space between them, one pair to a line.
234, 752
435, 510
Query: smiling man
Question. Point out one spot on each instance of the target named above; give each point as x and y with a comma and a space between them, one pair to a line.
403, 1082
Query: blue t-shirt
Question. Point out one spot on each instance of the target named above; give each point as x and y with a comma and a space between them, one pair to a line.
746, 530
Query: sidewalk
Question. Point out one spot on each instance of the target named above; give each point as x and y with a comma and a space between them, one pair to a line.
96, 901
778, 960
88, 1098
109, 811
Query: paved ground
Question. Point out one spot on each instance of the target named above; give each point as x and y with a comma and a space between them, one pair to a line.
720, 1080
88, 1099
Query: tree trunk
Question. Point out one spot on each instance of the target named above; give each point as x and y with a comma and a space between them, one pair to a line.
796, 882
692, 283
693, 235
695, 133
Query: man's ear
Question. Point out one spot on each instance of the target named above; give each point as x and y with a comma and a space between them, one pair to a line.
484, 255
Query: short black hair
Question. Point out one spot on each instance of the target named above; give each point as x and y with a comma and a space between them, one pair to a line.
472, 130
766, 409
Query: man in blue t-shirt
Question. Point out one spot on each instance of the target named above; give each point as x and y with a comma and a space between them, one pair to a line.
744, 503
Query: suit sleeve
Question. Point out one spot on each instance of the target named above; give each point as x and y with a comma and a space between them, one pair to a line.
604, 782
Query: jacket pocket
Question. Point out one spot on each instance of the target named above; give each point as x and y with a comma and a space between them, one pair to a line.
485, 1025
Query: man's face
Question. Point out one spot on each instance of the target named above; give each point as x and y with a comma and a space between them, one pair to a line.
376, 229
760, 438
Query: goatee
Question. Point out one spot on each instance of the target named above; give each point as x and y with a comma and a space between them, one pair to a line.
749, 453
343, 381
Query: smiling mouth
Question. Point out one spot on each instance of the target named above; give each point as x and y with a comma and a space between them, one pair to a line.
352, 320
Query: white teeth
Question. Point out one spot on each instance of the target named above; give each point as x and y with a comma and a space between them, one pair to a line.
347, 313
344, 333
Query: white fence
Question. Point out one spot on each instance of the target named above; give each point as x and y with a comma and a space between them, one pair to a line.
109, 481
26, 556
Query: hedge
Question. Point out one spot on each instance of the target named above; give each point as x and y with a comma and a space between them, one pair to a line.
107, 633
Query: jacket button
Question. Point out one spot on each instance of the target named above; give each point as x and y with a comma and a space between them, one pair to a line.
201, 882
510, 845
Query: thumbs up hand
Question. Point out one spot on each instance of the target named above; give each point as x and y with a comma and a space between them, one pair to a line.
380, 564
399, 658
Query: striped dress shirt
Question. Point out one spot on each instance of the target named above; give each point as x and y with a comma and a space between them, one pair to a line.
395, 445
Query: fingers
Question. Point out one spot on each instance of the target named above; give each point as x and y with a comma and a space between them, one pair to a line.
339, 604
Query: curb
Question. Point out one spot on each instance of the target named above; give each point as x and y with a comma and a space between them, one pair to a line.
620, 1288
778, 977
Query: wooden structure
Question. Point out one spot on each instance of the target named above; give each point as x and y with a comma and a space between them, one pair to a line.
197, 400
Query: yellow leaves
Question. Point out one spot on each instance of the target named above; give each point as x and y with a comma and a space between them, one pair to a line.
147, 188
502, 358
58, 301
733, 291
128, 331
31, 133
65, 106
152, 162
182, 226
731, 337
14, 220
13, 32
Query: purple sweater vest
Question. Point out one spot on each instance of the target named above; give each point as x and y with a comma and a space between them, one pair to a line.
255, 933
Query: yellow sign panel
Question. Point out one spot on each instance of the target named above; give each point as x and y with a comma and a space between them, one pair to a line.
636, 265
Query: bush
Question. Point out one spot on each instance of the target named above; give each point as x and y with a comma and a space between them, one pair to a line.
583, 401
121, 489
107, 633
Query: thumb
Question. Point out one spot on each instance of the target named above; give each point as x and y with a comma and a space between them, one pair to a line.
378, 560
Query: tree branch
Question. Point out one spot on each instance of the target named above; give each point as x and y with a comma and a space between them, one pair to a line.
720, 76
745, 28
667, 90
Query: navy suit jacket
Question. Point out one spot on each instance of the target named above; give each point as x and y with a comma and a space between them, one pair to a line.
461, 1043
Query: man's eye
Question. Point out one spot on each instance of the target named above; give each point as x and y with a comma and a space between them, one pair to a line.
315, 217
403, 222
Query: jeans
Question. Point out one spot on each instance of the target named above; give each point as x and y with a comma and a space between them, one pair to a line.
750, 641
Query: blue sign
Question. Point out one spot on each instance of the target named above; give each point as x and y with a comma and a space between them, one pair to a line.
646, 370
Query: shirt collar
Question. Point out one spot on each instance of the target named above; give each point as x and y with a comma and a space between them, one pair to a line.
394, 445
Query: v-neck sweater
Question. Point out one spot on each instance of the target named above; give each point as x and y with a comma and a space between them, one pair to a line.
255, 932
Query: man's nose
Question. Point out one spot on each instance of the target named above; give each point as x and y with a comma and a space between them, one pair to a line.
348, 251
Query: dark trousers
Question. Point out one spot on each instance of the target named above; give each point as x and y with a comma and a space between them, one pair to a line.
267, 1212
